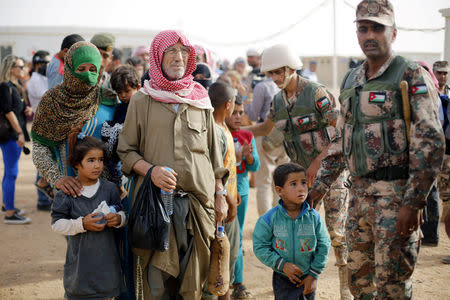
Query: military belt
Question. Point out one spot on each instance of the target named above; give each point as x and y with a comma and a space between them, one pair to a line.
389, 173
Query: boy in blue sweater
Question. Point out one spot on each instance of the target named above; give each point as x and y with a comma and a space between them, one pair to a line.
291, 238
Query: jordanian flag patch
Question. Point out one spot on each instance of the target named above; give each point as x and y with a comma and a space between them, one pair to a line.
377, 97
304, 121
419, 89
322, 103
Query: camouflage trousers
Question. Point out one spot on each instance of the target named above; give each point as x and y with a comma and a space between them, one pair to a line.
335, 205
380, 262
444, 180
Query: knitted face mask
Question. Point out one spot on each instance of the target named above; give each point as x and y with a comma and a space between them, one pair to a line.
88, 77
84, 55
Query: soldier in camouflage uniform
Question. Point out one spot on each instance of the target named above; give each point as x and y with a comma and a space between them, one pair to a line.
390, 177
307, 114
441, 70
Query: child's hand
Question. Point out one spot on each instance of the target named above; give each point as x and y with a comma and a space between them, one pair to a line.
247, 150
89, 223
239, 199
310, 284
293, 272
238, 155
113, 219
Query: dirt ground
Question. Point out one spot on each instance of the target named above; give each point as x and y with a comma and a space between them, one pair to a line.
33, 256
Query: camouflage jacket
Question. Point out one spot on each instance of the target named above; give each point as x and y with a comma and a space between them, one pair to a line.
426, 147
307, 120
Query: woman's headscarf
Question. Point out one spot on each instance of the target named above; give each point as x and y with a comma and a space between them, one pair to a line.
184, 90
209, 55
430, 70
71, 103
204, 70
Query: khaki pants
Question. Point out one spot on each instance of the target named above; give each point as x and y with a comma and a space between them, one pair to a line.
265, 195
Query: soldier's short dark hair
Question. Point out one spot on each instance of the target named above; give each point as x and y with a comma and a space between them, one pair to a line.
122, 76
69, 40
220, 93
281, 173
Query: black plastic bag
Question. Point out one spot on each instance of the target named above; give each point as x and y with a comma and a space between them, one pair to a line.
149, 224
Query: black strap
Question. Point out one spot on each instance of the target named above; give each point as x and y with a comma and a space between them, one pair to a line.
389, 173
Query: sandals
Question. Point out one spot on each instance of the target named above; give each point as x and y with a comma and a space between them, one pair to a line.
47, 190
241, 292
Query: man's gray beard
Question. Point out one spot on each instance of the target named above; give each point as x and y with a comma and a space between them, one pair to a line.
176, 75
180, 74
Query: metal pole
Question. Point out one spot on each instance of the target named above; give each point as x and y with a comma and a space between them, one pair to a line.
446, 14
335, 65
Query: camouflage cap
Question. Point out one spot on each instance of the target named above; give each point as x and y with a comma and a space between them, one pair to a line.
104, 41
379, 11
441, 66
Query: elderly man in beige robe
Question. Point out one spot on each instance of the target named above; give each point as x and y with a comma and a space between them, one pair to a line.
170, 124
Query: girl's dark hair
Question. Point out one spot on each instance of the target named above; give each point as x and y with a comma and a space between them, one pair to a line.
78, 148
122, 76
281, 173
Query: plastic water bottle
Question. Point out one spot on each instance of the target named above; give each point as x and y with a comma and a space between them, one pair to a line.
102, 220
167, 198
220, 231
237, 149
115, 208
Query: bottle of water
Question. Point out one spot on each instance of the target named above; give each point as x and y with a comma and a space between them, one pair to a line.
167, 198
115, 208
237, 149
220, 231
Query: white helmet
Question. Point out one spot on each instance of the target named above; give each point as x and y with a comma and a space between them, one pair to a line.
279, 56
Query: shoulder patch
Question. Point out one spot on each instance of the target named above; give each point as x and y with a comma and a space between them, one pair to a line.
419, 89
323, 103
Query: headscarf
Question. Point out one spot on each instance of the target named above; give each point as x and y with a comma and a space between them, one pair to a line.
203, 69
209, 55
430, 70
184, 90
141, 50
70, 104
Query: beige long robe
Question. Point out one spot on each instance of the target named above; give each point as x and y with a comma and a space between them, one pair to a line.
186, 141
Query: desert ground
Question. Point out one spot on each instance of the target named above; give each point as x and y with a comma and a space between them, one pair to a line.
33, 256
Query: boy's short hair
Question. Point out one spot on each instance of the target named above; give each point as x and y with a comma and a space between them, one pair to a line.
238, 100
122, 76
134, 61
69, 40
281, 173
220, 93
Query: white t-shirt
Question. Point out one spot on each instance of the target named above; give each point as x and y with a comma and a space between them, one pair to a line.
37, 86
310, 75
